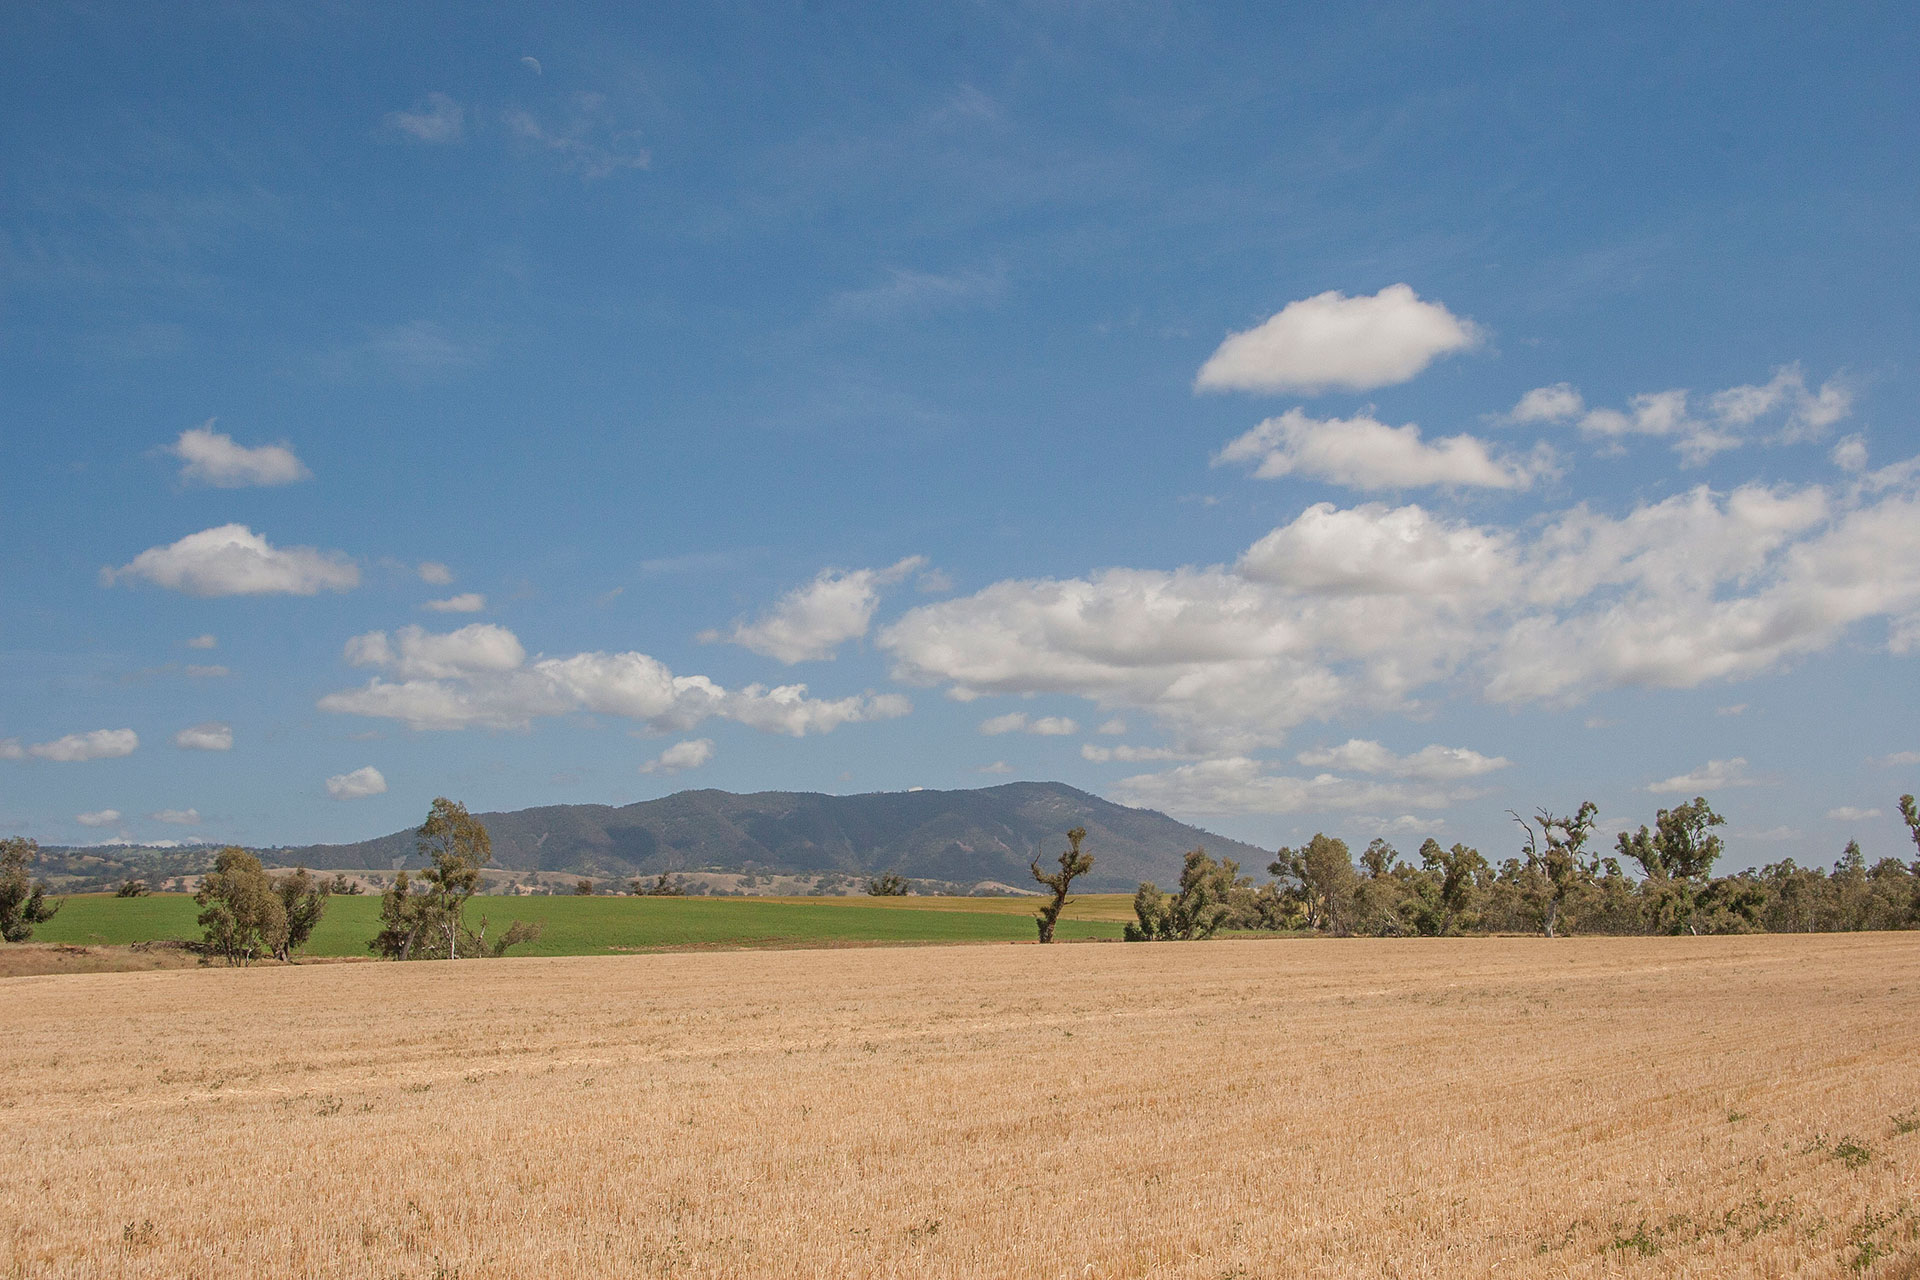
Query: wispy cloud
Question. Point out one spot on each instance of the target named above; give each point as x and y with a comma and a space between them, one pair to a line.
437, 118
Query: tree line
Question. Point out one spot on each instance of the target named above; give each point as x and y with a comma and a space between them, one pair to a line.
1555, 884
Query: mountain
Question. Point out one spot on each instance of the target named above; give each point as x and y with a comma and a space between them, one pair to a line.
961, 836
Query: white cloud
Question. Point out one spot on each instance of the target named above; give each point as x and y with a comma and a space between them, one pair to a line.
998, 766
1128, 754
1365, 608
589, 141
465, 602
477, 677
1772, 835
365, 781
476, 647
1850, 454
1333, 341
1847, 813
437, 119
1113, 728
1364, 453
432, 571
1377, 550
1736, 709
1239, 785
1715, 775
1430, 764
811, 622
207, 671
100, 744
233, 560
1901, 758
213, 458
1557, 403
1018, 722
1725, 421
211, 736
178, 817
204, 642
98, 818
680, 757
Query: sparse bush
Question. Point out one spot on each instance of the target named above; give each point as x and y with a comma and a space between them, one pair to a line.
889, 884
131, 888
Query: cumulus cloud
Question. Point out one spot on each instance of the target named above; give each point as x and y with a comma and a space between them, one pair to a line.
416, 652
435, 573
1850, 454
98, 818
233, 560
211, 736
178, 817
478, 677
437, 118
1333, 341
1847, 813
1786, 409
100, 744
1018, 722
214, 459
1239, 785
998, 766
465, 602
366, 781
203, 642
1365, 608
1364, 453
1714, 775
1430, 764
811, 622
1901, 758
1557, 403
680, 757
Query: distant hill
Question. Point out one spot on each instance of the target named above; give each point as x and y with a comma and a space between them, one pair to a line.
959, 836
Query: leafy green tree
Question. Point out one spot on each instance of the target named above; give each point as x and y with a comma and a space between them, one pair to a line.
1206, 902
1558, 873
889, 884
1324, 881
132, 888
1910, 814
23, 902
457, 846
303, 902
403, 920
663, 886
1073, 863
1459, 870
243, 916
1677, 860
583, 888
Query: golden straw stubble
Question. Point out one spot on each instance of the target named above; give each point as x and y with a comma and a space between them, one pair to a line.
1583, 1107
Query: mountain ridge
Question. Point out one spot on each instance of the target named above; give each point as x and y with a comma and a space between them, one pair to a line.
987, 833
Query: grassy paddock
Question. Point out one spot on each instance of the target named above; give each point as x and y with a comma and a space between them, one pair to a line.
1683, 1107
599, 925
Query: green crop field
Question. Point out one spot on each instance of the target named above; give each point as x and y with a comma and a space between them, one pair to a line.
598, 925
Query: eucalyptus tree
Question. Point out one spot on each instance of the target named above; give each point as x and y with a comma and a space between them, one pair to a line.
1073, 863
1554, 849
23, 900
1677, 859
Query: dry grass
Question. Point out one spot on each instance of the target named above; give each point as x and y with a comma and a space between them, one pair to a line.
1684, 1107
23, 959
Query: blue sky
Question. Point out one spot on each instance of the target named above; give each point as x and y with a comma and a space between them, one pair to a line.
1361, 418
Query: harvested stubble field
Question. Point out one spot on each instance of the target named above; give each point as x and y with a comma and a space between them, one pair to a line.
1606, 1107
